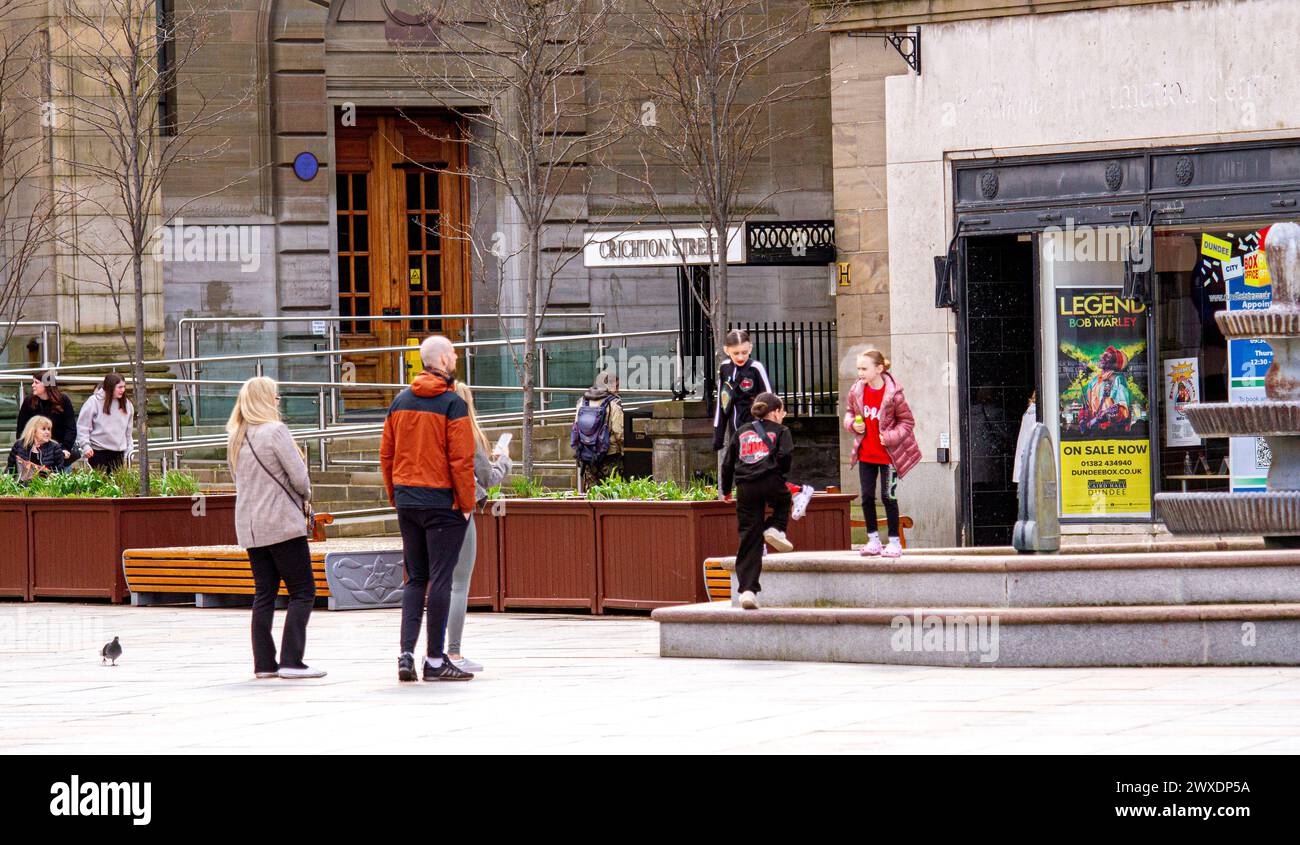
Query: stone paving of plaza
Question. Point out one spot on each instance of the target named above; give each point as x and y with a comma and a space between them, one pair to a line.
577, 684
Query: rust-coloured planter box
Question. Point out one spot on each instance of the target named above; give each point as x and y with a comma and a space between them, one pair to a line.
547, 553
652, 553
74, 546
485, 583
15, 580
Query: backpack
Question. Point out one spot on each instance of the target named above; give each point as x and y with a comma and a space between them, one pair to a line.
591, 432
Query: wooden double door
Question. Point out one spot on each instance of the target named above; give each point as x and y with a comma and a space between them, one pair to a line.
400, 220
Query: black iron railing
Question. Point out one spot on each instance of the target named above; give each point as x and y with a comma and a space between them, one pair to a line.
800, 360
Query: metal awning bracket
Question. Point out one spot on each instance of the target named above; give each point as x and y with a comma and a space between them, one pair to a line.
906, 42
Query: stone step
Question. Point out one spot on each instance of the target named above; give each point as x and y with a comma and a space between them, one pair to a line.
352, 493
845, 579
1177, 635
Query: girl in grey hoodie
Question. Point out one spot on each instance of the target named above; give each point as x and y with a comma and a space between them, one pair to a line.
105, 424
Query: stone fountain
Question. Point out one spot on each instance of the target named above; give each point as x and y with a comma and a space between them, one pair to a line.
1275, 512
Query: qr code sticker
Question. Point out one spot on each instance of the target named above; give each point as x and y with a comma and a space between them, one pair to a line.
1263, 454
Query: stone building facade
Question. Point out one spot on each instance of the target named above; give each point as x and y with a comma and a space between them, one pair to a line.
312, 68
1032, 125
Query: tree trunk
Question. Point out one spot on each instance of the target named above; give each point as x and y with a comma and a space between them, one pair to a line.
530, 349
137, 374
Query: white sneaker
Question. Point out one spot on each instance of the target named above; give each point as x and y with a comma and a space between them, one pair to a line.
748, 600
801, 502
304, 672
777, 540
466, 665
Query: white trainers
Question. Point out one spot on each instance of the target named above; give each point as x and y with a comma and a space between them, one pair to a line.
466, 665
777, 540
872, 548
893, 549
304, 672
801, 501
748, 600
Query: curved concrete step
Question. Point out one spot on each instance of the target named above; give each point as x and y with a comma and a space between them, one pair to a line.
1205, 635
845, 579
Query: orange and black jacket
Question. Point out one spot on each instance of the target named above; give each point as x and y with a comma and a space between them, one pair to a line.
427, 454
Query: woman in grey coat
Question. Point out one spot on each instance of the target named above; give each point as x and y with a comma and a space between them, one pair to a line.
488, 472
271, 489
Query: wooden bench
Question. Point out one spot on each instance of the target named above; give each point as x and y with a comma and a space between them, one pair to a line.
368, 570
207, 573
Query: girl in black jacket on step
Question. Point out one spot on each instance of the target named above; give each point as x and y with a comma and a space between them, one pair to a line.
757, 460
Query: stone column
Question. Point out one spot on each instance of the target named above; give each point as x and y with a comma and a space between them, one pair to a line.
682, 434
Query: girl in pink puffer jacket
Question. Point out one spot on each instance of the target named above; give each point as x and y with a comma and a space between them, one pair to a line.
884, 447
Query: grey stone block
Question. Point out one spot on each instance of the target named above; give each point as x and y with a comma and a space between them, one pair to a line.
364, 580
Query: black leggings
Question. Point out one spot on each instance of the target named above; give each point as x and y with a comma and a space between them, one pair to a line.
752, 500
290, 562
868, 473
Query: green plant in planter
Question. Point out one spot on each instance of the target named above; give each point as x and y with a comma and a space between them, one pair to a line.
522, 487
80, 484
173, 482
648, 490
88, 483
9, 485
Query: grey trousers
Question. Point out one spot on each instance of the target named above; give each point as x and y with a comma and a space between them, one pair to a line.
460, 588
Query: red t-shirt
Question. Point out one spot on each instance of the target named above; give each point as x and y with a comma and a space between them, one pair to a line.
872, 450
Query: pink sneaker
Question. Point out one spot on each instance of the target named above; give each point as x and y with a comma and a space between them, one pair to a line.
893, 549
872, 548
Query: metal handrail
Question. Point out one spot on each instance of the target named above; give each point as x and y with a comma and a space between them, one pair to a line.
45, 337
308, 353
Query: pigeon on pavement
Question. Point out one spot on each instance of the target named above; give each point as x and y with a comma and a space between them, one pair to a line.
111, 651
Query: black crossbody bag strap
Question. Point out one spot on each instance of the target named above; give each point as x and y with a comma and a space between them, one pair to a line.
771, 445
300, 505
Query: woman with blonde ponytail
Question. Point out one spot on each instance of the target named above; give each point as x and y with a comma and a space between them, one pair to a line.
272, 487
884, 447
490, 467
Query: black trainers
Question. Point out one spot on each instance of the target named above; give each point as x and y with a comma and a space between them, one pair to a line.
448, 671
406, 668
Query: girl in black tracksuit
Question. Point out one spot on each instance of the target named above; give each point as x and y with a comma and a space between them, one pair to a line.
740, 380
758, 459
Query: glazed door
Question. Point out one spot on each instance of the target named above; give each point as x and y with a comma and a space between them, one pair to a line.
401, 254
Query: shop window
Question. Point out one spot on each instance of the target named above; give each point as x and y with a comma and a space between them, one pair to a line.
1199, 273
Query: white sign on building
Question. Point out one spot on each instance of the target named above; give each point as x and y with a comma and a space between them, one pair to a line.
660, 247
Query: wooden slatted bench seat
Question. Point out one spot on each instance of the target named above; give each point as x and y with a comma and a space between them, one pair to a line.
219, 576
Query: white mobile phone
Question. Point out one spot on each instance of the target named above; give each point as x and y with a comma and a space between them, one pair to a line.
503, 444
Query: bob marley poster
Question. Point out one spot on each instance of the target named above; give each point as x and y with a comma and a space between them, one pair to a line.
1102, 379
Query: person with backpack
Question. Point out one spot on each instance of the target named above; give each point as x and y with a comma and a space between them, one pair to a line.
740, 380
49, 402
597, 435
884, 447
272, 487
758, 459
